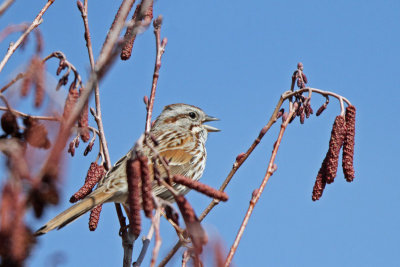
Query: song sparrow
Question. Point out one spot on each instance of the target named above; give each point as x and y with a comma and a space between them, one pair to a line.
180, 136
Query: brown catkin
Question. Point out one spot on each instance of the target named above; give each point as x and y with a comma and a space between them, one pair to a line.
348, 145
94, 217
93, 176
71, 148
127, 49
200, 187
7, 208
320, 183
70, 102
88, 148
28, 79
321, 109
131, 2
83, 121
195, 230
335, 143
133, 173
39, 81
18, 233
147, 197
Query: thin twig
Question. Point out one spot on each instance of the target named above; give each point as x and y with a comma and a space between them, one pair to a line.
146, 242
160, 46
21, 114
5, 5
170, 254
60, 55
17, 78
257, 193
36, 22
157, 245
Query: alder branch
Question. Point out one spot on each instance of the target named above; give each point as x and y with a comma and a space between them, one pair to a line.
5, 5
257, 193
160, 48
24, 115
36, 22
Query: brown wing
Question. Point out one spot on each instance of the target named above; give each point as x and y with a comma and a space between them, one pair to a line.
176, 148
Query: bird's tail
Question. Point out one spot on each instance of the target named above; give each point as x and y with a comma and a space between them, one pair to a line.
74, 212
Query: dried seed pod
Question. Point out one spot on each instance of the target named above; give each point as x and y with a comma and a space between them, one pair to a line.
133, 173
196, 232
200, 187
348, 145
35, 133
93, 176
9, 123
94, 217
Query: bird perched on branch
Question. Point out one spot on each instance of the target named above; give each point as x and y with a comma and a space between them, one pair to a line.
179, 134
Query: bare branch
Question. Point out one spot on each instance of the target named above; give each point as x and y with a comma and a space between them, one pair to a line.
36, 22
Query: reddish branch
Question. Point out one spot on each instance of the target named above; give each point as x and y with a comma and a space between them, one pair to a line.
257, 193
160, 46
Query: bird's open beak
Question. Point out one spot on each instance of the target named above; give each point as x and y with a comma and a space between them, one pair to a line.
208, 127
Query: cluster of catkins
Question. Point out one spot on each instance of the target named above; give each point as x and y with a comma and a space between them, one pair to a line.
342, 135
140, 183
141, 177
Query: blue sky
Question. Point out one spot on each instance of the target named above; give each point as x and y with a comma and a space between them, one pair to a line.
234, 59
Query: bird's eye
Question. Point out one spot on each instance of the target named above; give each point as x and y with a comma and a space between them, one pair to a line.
192, 115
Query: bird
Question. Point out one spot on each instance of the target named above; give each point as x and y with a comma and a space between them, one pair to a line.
180, 135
